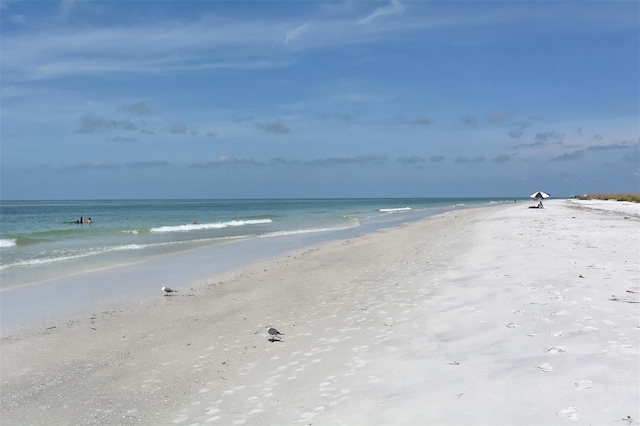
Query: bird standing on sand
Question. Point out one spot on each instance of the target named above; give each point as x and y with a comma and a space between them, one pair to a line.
168, 290
274, 333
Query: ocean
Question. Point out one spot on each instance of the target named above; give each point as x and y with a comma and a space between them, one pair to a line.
42, 244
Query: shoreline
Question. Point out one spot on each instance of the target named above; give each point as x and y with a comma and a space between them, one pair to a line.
437, 321
62, 297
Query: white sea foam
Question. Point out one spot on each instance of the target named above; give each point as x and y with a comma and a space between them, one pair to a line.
8, 242
399, 209
62, 258
215, 225
303, 231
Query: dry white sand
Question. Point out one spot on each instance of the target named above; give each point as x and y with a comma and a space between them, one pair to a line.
502, 315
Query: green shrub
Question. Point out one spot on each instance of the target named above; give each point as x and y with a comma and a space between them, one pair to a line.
634, 198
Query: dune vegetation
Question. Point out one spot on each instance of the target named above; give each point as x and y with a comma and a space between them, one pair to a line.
635, 198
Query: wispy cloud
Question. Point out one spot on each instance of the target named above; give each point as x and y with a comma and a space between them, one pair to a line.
296, 32
105, 165
609, 147
324, 161
393, 8
411, 160
275, 127
569, 156
345, 118
136, 108
124, 139
529, 145
463, 159
498, 118
503, 158
330, 161
517, 132
178, 129
224, 160
181, 45
233, 160
551, 136
154, 164
176, 46
359, 159
187, 45
90, 123
422, 120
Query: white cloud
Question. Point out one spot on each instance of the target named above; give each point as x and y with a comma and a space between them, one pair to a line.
393, 8
174, 46
296, 32
146, 48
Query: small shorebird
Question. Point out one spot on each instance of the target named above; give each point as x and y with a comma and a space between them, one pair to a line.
273, 333
168, 290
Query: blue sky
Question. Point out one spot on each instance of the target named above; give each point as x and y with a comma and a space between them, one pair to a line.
242, 99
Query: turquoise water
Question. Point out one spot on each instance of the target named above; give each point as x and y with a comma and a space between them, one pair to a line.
41, 239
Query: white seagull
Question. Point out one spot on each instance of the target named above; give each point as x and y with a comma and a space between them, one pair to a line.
168, 290
273, 332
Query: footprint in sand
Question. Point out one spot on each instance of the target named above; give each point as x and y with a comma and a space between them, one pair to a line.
555, 349
569, 413
584, 384
181, 418
307, 416
545, 367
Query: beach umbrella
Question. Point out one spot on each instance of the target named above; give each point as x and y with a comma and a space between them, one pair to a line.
539, 194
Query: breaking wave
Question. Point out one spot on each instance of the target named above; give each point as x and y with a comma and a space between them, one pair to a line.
8, 242
398, 209
203, 226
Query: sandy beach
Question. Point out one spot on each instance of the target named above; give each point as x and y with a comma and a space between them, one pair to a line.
496, 315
